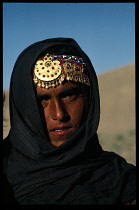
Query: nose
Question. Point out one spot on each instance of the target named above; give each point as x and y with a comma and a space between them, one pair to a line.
58, 111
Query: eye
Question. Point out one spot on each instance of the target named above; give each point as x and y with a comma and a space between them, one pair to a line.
71, 95
44, 103
43, 100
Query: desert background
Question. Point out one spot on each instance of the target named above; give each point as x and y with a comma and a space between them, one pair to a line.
117, 118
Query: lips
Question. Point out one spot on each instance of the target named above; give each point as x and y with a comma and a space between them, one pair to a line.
61, 130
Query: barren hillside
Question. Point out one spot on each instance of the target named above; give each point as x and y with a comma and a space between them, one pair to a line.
117, 94
117, 123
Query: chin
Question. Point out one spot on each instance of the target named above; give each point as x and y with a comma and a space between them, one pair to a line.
58, 140
57, 143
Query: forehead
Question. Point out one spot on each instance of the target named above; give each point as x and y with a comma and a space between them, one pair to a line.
57, 90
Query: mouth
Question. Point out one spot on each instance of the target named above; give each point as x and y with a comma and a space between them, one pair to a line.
61, 131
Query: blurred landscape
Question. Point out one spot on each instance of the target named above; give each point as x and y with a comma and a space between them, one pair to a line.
117, 118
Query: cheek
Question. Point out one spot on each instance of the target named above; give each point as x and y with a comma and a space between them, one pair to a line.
77, 113
46, 115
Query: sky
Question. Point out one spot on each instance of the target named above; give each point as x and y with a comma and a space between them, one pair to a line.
105, 31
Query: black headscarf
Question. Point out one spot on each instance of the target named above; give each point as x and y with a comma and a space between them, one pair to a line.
76, 172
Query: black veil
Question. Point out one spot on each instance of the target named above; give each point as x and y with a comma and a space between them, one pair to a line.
76, 172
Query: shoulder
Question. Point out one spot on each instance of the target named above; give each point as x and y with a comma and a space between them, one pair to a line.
8, 196
122, 176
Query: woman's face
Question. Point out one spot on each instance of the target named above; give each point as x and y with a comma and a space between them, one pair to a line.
63, 109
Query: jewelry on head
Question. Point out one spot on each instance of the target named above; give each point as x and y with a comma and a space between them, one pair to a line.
51, 70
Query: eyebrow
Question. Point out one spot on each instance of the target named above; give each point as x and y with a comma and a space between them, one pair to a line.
76, 90
73, 90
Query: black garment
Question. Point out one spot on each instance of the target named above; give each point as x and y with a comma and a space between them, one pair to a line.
7, 191
76, 172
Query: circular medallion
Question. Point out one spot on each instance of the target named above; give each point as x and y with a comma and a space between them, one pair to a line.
47, 70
